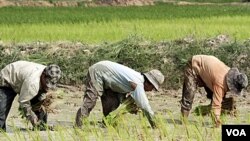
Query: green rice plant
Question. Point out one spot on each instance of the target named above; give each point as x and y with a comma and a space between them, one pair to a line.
138, 130
5, 135
115, 116
162, 127
88, 15
202, 110
97, 33
101, 24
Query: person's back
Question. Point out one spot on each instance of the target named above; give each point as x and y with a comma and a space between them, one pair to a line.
211, 70
217, 78
31, 81
110, 80
16, 73
117, 77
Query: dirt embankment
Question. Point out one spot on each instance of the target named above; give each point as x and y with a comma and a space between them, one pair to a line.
42, 3
93, 3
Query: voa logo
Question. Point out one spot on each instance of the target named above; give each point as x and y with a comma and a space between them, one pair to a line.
236, 132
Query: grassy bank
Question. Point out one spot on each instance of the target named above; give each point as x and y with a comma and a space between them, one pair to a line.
136, 52
112, 24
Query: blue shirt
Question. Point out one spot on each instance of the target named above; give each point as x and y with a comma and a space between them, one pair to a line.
118, 78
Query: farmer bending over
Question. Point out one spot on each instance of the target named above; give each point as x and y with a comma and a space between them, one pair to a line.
217, 79
31, 81
112, 81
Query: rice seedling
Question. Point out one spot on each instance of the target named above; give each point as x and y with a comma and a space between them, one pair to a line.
138, 130
101, 24
163, 26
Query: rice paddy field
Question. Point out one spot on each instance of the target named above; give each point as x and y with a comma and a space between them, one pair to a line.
130, 126
161, 36
109, 24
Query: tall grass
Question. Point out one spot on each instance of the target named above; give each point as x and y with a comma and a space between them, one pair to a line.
158, 30
101, 24
131, 127
60, 15
94, 25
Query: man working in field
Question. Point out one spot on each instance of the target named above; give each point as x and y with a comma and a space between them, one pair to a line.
112, 81
31, 81
217, 79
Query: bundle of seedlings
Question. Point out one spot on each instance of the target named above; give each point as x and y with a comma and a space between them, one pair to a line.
228, 106
44, 103
127, 106
39, 103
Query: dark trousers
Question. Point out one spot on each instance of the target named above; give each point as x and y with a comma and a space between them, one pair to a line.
111, 101
7, 96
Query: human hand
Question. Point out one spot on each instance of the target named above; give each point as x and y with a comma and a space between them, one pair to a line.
133, 108
217, 121
33, 119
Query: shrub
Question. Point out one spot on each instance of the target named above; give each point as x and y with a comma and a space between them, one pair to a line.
169, 56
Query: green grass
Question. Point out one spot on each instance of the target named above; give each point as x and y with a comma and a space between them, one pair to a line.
136, 128
138, 53
130, 127
117, 30
99, 24
69, 15
214, 1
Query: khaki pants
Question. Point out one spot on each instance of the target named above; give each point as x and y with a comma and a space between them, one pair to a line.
110, 101
191, 82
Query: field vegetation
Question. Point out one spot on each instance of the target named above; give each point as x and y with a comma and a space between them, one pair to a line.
95, 25
213, 1
136, 52
163, 36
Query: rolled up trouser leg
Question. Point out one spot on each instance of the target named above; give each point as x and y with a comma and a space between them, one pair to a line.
87, 106
94, 89
189, 87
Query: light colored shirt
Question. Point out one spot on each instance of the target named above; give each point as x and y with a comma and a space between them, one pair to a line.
213, 73
118, 78
23, 77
